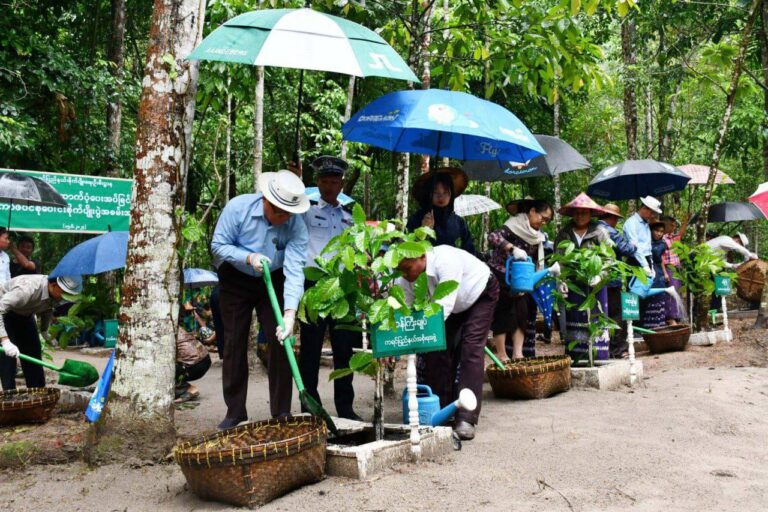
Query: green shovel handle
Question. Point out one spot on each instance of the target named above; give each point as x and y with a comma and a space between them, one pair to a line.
494, 358
50, 366
643, 330
279, 317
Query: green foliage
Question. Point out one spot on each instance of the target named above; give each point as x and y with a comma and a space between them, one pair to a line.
362, 363
586, 271
357, 271
698, 267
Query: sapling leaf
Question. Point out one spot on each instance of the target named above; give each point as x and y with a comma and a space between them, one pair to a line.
338, 374
420, 289
358, 215
360, 360
313, 273
444, 289
341, 309
348, 258
410, 249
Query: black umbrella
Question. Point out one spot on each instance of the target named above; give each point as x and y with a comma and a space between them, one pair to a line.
560, 157
637, 178
732, 211
21, 189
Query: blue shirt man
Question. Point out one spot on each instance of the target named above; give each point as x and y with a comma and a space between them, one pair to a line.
638, 232
254, 228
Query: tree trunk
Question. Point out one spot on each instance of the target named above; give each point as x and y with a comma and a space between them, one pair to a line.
556, 177
115, 55
665, 153
139, 414
762, 313
348, 114
425, 40
701, 224
258, 128
630, 82
228, 142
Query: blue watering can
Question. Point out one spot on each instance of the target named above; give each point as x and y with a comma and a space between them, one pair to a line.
429, 405
521, 275
645, 290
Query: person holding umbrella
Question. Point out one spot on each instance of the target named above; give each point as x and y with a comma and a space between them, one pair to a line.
326, 219
21, 299
436, 192
638, 232
253, 227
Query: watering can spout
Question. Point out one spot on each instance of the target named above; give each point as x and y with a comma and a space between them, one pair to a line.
644, 290
467, 401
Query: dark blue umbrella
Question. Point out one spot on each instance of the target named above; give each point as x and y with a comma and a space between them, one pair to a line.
637, 178
443, 123
199, 278
99, 254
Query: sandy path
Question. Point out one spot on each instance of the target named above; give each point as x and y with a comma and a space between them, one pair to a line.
690, 438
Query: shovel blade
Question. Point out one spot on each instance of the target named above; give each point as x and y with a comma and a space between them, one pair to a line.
317, 410
77, 374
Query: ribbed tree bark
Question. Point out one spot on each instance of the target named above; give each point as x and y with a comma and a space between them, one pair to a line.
701, 224
630, 83
348, 113
258, 128
762, 314
115, 55
556, 177
425, 39
138, 420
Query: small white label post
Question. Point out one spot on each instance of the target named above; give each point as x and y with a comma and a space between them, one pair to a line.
724, 307
631, 350
413, 407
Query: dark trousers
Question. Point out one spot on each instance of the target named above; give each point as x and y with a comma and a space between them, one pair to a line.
618, 344
238, 296
342, 342
189, 372
217, 322
22, 331
466, 335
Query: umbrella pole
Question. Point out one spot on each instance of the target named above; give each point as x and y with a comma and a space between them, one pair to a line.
296, 153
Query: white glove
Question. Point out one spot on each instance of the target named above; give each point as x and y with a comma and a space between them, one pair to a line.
752, 256
595, 281
563, 289
11, 350
519, 254
554, 270
649, 272
289, 318
254, 260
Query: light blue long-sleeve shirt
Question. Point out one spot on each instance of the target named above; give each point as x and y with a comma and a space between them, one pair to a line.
324, 221
638, 233
243, 229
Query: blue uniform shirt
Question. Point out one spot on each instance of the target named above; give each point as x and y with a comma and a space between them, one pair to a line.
638, 233
242, 229
324, 221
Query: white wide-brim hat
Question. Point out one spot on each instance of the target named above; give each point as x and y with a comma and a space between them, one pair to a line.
284, 190
652, 203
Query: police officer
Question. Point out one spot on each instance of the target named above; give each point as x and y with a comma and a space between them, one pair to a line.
325, 219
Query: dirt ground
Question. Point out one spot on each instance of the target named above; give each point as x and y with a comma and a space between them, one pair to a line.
692, 436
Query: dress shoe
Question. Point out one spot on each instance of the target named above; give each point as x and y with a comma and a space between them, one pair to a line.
350, 415
231, 422
466, 431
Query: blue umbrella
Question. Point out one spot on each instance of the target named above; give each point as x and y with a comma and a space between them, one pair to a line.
99, 254
443, 123
314, 195
199, 278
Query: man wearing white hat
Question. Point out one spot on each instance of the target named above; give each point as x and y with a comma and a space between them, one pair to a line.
638, 232
252, 227
21, 299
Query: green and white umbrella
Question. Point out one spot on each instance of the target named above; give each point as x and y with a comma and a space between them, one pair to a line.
303, 39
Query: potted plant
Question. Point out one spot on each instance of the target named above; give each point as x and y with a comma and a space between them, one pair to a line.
356, 285
586, 271
697, 270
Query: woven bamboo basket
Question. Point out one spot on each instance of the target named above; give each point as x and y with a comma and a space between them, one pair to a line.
752, 274
668, 339
27, 405
532, 377
253, 464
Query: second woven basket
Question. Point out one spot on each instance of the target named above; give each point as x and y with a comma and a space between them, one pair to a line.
531, 377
